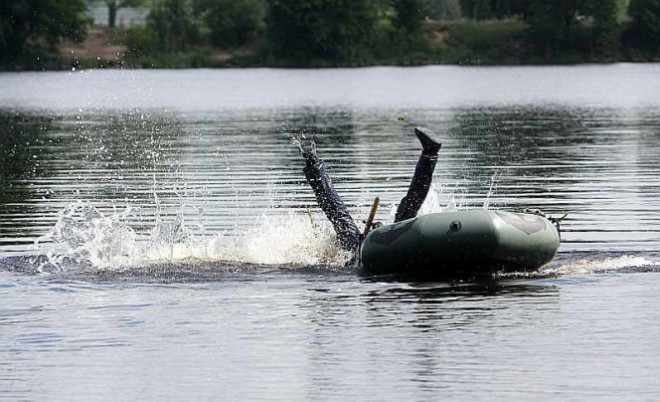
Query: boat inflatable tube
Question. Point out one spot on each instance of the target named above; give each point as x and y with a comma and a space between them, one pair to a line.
460, 244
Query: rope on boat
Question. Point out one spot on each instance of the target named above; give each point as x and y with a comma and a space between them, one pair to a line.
556, 220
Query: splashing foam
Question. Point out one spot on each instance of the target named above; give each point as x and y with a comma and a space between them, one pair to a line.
437, 200
85, 238
612, 264
289, 239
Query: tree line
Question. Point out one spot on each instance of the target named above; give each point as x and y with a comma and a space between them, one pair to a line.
339, 32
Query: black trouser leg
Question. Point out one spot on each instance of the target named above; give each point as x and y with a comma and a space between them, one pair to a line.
419, 188
334, 208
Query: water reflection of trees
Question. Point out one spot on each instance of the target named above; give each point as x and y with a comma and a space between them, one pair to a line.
334, 130
50, 161
598, 164
22, 150
523, 137
335, 126
124, 153
529, 148
18, 134
134, 157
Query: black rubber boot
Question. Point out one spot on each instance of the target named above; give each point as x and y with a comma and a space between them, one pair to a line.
431, 146
421, 181
307, 148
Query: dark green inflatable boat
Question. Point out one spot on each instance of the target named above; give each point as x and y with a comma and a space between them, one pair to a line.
464, 244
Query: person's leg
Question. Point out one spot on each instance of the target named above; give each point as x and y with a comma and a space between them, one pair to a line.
421, 181
327, 197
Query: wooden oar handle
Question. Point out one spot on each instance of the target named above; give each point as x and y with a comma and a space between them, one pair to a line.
372, 216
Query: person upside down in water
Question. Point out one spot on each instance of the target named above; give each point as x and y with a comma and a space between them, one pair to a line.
335, 210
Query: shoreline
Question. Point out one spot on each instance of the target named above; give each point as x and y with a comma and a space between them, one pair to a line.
182, 64
443, 45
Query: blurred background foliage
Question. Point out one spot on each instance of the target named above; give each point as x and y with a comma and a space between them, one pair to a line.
319, 33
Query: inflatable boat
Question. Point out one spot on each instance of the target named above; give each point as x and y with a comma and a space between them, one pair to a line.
465, 244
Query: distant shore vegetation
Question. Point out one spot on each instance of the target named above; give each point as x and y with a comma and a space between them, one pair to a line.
58, 34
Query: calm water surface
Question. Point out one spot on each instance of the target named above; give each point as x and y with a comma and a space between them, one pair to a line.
158, 241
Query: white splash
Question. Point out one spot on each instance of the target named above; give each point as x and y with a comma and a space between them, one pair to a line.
85, 238
492, 188
289, 239
612, 264
439, 199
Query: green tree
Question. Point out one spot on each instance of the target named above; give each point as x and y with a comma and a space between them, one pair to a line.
493, 9
444, 9
172, 22
553, 26
330, 31
509, 8
605, 31
28, 24
623, 10
115, 5
645, 16
409, 15
475, 9
233, 22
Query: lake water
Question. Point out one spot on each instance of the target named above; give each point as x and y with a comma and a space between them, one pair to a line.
158, 240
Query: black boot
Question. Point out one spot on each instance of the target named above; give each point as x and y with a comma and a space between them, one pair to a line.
421, 181
427, 138
307, 148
